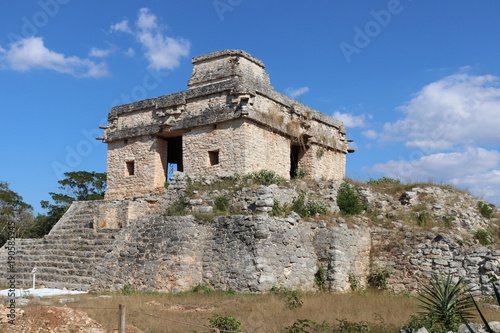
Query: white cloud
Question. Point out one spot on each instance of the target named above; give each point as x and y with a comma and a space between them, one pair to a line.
146, 21
350, 120
2, 50
162, 52
468, 168
460, 109
130, 52
31, 53
121, 26
294, 93
100, 53
370, 134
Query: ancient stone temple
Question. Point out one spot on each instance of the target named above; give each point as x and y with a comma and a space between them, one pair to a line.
230, 119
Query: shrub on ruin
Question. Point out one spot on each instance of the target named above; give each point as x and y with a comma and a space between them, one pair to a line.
264, 177
378, 277
383, 180
301, 173
225, 323
177, 208
221, 204
281, 210
485, 209
348, 200
309, 208
483, 236
320, 277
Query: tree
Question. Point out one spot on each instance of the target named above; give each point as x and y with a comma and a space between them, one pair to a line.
78, 185
15, 215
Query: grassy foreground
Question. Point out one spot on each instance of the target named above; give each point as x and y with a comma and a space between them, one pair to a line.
189, 312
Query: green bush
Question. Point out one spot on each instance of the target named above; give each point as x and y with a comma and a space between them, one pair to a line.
280, 210
308, 326
320, 277
225, 323
378, 277
423, 218
301, 173
444, 302
177, 208
348, 200
264, 177
354, 281
483, 236
127, 289
309, 209
485, 209
346, 326
292, 298
383, 180
221, 204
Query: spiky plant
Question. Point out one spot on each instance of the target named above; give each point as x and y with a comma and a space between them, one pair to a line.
486, 326
446, 301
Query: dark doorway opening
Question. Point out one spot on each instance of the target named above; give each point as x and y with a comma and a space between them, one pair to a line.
174, 156
295, 154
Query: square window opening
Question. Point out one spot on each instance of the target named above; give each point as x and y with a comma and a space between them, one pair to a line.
130, 168
213, 157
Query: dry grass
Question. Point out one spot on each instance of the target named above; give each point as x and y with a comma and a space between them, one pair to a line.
159, 312
258, 313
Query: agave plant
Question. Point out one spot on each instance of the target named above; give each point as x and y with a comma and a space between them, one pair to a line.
486, 326
446, 301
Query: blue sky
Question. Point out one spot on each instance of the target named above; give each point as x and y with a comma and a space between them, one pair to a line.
416, 82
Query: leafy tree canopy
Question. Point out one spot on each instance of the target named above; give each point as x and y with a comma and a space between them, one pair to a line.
14, 209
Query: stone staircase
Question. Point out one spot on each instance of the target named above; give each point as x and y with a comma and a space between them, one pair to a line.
67, 256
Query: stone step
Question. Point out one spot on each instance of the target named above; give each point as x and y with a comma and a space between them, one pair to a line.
33, 259
28, 254
28, 283
64, 268
77, 241
98, 235
50, 279
51, 268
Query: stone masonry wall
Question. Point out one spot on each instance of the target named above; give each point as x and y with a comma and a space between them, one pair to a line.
414, 258
266, 150
244, 253
147, 154
228, 139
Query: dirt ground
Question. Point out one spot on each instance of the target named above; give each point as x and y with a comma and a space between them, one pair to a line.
54, 319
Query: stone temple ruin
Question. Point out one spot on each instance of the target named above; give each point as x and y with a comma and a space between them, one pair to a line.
229, 120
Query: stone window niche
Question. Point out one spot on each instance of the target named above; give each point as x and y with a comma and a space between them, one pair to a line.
213, 158
130, 168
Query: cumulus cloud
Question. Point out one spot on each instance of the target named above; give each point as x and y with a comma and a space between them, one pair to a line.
121, 26
370, 134
130, 52
294, 93
100, 53
350, 120
468, 168
457, 110
162, 52
31, 53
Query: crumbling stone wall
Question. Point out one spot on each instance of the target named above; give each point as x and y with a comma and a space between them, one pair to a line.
136, 166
